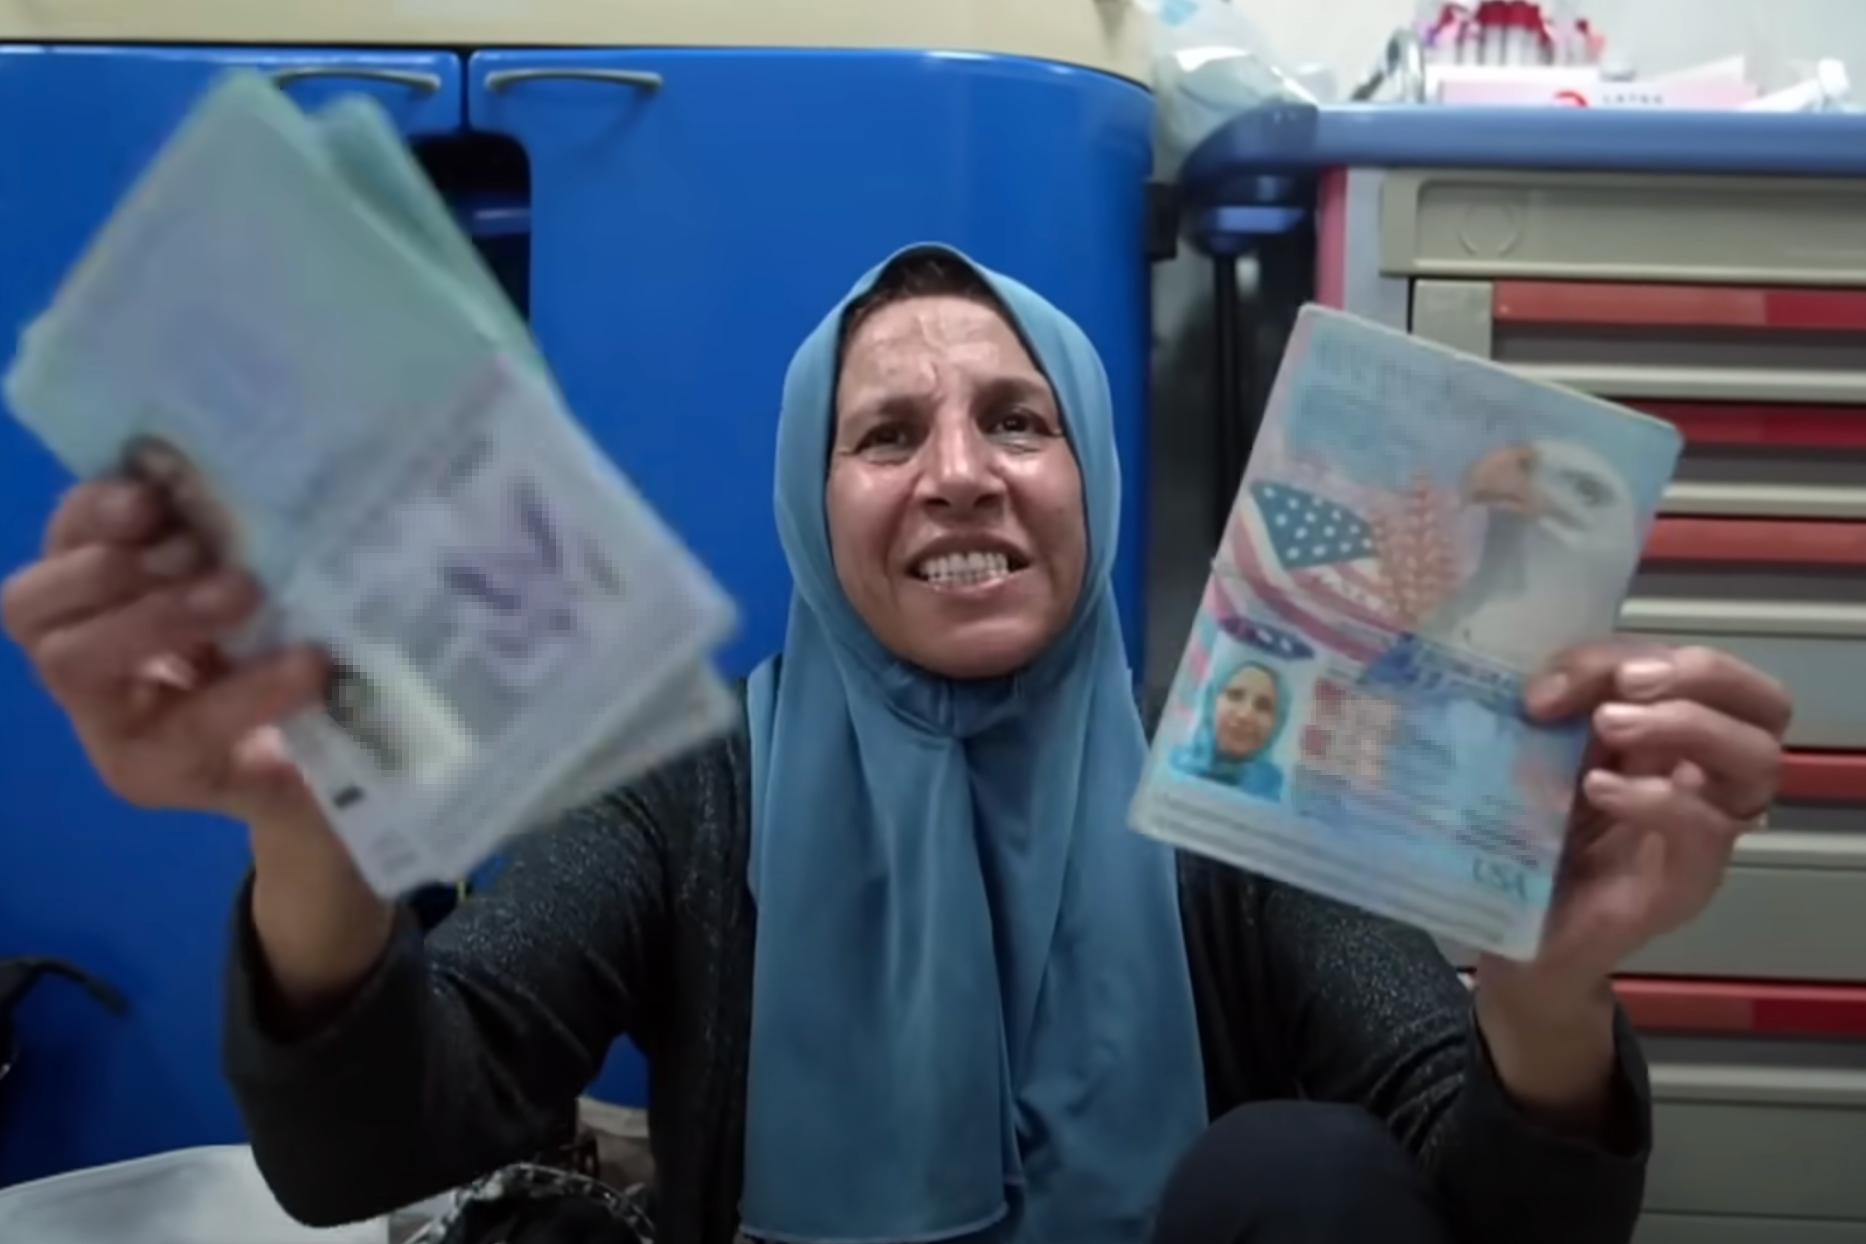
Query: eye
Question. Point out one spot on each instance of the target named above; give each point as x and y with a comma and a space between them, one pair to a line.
1017, 421
885, 436
1020, 422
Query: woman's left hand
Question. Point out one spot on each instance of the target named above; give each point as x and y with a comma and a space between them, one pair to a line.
1686, 754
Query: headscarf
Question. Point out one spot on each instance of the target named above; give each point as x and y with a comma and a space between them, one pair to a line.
972, 1013
1256, 774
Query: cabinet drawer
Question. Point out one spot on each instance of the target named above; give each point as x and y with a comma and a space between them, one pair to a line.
1793, 905
1710, 1229
1682, 342
1486, 224
1767, 460
1759, 1129
1788, 597
1792, 908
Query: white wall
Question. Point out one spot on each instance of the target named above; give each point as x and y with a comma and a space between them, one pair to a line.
1655, 35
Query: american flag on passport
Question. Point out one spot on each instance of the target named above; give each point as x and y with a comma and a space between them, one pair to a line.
1344, 566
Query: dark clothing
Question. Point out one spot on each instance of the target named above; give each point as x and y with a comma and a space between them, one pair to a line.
466, 1051
1322, 1173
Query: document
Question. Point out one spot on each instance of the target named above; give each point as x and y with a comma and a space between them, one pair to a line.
1417, 533
282, 327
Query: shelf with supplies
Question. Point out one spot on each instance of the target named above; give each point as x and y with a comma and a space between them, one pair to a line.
1709, 269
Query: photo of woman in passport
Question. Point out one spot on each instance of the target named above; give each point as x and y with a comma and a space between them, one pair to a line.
1244, 707
355, 707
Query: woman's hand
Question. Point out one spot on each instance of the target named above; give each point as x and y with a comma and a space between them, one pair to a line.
121, 617
1685, 756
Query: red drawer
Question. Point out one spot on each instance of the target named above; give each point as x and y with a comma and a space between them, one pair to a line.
1748, 1008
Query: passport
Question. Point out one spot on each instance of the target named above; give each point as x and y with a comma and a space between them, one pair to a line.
282, 326
1418, 531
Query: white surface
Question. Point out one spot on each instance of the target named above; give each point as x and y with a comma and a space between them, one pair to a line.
192, 1196
1100, 34
1657, 36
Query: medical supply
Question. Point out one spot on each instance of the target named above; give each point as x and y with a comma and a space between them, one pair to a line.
1417, 533
1828, 89
1506, 32
282, 329
1585, 88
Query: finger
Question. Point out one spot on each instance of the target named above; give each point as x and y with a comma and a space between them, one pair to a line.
1712, 678
256, 695
1660, 805
1577, 679
1740, 763
1698, 836
1639, 670
100, 653
115, 511
88, 579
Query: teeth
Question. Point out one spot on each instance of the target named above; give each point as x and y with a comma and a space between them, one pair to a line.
964, 569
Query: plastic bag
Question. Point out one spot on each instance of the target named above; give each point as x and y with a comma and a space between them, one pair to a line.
1210, 63
212, 1195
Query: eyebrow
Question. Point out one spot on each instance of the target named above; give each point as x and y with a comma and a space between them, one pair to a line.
996, 390
1002, 387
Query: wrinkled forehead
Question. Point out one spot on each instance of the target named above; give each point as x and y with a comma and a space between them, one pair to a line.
921, 352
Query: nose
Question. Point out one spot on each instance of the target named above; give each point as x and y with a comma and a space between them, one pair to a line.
959, 472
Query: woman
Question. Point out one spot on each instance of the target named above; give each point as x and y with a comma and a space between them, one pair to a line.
899, 969
1243, 710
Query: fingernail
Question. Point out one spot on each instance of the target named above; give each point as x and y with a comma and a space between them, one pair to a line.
217, 596
173, 558
1618, 718
1545, 693
1603, 784
124, 505
1643, 678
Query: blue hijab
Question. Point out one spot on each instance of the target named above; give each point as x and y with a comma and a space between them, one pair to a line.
972, 1015
1256, 774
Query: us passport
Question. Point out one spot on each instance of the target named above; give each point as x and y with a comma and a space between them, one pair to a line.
1417, 533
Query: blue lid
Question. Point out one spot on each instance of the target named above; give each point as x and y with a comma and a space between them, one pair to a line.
1252, 158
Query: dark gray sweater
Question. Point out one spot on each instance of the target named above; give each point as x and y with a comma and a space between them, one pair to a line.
467, 1051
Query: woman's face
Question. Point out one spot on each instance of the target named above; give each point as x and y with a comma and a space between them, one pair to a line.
1244, 717
954, 501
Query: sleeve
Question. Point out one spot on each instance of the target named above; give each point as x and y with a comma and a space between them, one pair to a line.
466, 1050
1371, 1013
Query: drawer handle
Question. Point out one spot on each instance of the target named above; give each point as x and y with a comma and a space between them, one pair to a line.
1749, 1008
1792, 542
1831, 777
424, 83
640, 79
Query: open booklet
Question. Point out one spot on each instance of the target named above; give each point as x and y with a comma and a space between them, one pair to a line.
1418, 531
283, 327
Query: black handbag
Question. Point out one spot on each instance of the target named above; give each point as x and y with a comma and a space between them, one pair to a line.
18, 976
556, 1200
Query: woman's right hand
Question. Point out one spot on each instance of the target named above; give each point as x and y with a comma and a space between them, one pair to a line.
122, 616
